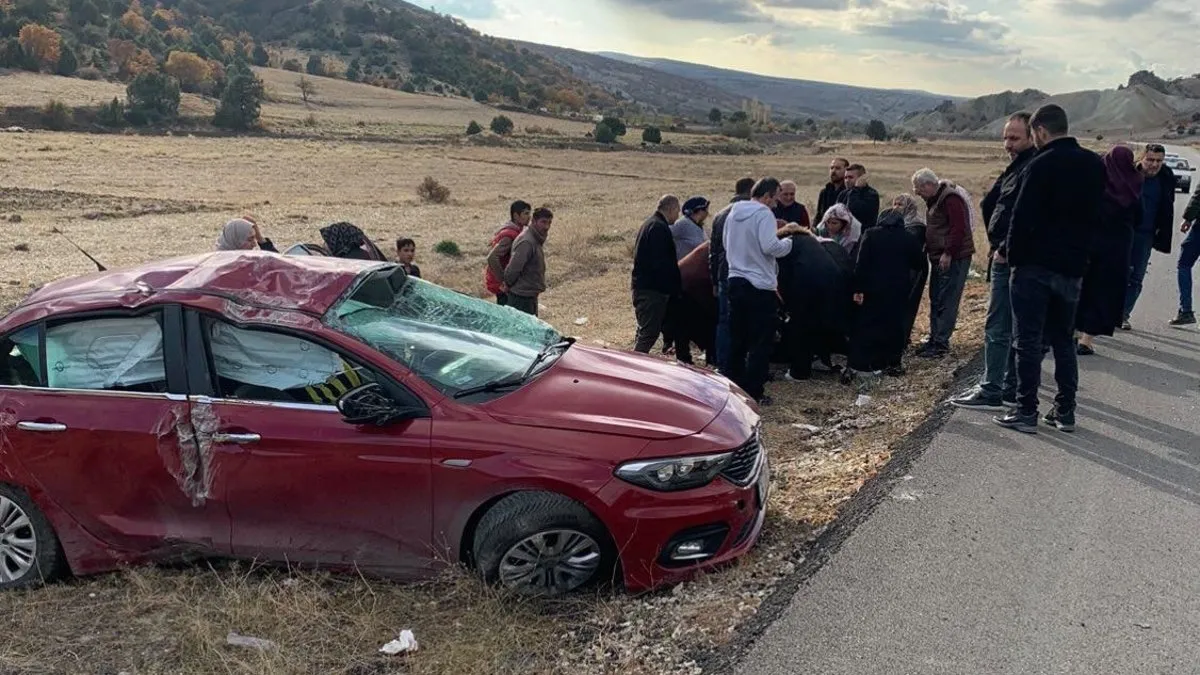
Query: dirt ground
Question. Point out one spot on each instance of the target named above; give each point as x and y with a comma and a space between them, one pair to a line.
127, 199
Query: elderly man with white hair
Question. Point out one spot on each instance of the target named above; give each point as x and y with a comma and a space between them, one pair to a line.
950, 246
787, 209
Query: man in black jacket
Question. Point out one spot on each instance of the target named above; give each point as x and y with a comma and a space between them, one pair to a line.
656, 277
1056, 211
718, 269
835, 186
1154, 224
999, 382
859, 197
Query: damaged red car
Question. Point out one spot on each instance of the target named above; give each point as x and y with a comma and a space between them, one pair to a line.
335, 413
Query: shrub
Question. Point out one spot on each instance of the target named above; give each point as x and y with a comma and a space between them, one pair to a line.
153, 98
652, 135
310, 121
502, 125
57, 116
473, 128
292, 65
432, 192
315, 65
68, 63
741, 130
447, 248
112, 114
408, 88
615, 124
241, 101
261, 56
604, 133
90, 73
1099, 137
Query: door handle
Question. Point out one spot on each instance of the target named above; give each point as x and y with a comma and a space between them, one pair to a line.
41, 426
239, 439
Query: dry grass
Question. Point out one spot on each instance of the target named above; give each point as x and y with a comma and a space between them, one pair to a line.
129, 199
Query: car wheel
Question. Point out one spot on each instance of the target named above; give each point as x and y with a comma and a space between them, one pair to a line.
540, 543
29, 551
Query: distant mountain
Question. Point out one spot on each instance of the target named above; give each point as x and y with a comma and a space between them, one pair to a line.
792, 98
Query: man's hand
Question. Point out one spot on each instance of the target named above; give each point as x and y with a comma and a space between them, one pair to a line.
780, 223
944, 263
998, 257
1186, 227
788, 230
258, 237
858, 298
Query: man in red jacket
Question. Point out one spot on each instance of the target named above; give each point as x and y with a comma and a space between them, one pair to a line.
950, 247
501, 250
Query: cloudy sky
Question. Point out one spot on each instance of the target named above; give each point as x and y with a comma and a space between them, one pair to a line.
957, 47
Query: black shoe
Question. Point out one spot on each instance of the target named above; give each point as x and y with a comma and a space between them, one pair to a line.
933, 353
1026, 424
1084, 350
1183, 319
1064, 422
977, 400
1009, 399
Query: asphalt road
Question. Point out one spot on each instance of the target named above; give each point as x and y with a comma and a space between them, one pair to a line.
1005, 553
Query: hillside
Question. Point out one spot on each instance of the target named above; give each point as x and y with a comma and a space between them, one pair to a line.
797, 98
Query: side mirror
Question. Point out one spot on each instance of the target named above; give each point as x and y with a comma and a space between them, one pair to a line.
370, 404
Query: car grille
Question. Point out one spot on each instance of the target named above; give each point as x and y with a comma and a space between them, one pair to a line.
745, 460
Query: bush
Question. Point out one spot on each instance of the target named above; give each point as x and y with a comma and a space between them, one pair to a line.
153, 98
448, 248
241, 101
502, 125
292, 65
1099, 137
68, 64
408, 88
741, 130
474, 129
90, 73
615, 124
310, 121
315, 65
261, 56
432, 192
112, 114
652, 135
57, 116
604, 133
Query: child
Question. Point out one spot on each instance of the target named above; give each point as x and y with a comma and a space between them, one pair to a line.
406, 250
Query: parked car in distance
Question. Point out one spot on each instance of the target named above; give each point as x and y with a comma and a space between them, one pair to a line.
1183, 172
337, 413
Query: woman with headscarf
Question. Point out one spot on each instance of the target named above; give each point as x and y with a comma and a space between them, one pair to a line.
914, 225
345, 240
242, 234
841, 226
1102, 300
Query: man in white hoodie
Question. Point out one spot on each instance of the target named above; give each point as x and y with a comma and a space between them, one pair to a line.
752, 247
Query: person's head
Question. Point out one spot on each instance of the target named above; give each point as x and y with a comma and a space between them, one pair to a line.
696, 208
406, 250
787, 193
237, 235
853, 173
541, 219
925, 184
906, 204
1152, 159
668, 207
835, 225
343, 239
744, 187
1018, 136
837, 169
1049, 123
766, 191
519, 213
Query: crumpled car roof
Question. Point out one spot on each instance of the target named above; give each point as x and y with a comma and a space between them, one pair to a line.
309, 284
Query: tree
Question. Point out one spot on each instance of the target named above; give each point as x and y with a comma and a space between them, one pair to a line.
510, 91
292, 65
604, 133
877, 131
502, 125
315, 65
153, 98
614, 123
715, 116
241, 102
42, 44
192, 71
113, 114
354, 71
261, 56
738, 116
481, 95
134, 22
308, 90
68, 63
473, 129
652, 135
408, 87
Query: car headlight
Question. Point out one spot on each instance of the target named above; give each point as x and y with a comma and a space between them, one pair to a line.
676, 473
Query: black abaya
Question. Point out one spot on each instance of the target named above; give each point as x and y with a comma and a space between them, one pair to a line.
887, 259
1102, 300
919, 278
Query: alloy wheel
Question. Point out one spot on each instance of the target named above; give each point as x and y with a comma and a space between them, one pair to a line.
18, 543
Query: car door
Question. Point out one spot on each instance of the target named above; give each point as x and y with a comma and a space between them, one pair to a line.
308, 487
101, 424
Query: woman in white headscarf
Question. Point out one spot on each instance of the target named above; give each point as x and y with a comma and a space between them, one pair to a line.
242, 234
841, 226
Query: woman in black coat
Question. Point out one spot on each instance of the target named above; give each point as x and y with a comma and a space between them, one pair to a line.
914, 224
1102, 300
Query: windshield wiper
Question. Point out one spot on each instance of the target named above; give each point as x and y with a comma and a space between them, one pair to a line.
545, 354
514, 382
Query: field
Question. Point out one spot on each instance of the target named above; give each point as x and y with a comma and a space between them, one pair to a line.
128, 198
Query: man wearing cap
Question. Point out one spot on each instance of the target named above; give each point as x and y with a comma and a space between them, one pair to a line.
688, 231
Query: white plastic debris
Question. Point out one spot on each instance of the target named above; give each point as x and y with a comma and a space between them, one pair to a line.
581, 321
252, 642
806, 427
407, 642
291, 582
862, 400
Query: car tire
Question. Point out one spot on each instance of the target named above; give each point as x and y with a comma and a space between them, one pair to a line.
30, 554
541, 543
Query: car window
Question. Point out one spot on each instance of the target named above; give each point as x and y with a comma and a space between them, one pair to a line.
115, 354
22, 358
263, 365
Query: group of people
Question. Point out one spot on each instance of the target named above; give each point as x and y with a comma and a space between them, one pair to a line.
341, 240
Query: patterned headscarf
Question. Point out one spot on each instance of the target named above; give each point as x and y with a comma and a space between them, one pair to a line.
850, 234
342, 238
910, 209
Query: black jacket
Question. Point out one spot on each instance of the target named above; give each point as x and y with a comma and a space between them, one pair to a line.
654, 264
796, 213
1164, 225
1192, 212
1057, 209
827, 198
863, 203
998, 203
718, 267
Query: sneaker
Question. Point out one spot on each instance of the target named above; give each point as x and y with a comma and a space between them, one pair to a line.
1084, 350
1026, 424
1063, 422
1125, 325
1009, 399
1183, 319
977, 400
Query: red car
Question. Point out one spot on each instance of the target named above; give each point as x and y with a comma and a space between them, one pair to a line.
334, 412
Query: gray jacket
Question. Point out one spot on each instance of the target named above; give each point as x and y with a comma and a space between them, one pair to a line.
688, 235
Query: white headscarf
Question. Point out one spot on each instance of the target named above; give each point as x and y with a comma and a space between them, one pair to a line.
849, 236
234, 235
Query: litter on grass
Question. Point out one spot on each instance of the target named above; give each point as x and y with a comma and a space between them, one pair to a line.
407, 642
252, 642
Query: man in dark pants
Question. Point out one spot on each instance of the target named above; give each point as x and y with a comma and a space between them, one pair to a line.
525, 275
999, 383
1155, 224
718, 270
656, 277
950, 247
1189, 253
501, 249
1056, 212
753, 243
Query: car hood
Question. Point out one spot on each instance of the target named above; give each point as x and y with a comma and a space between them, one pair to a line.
612, 392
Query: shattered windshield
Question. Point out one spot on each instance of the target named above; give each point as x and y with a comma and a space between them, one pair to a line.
452, 341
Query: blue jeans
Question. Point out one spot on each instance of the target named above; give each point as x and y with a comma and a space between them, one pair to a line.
1139, 262
1189, 253
753, 315
1044, 305
1000, 368
945, 295
722, 339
